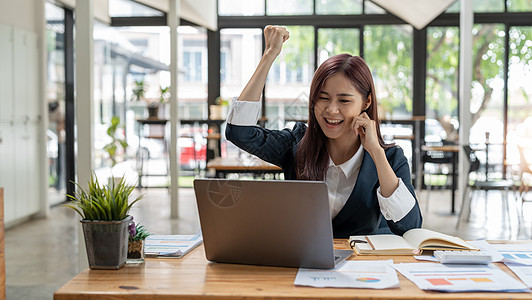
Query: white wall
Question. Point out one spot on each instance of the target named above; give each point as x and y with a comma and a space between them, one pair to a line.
20, 14
22, 110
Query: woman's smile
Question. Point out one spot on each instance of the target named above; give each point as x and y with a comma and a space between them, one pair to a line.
333, 122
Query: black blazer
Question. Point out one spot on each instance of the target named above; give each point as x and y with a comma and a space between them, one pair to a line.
361, 213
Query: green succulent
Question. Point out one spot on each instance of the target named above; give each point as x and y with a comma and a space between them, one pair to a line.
137, 232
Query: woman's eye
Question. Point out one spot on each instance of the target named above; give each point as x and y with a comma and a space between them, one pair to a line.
344, 101
323, 98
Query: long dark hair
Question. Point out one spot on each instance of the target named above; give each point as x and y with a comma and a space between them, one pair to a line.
312, 157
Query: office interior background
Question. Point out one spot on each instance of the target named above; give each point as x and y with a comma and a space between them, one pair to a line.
416, 72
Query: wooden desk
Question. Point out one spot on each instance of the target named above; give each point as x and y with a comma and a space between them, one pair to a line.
253, 165
193, 277
455, 149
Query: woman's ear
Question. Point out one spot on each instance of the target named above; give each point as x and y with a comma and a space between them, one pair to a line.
368, 102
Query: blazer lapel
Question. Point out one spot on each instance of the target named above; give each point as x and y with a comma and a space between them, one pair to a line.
362, 194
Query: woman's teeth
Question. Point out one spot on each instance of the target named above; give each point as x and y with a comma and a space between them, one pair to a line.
334, 122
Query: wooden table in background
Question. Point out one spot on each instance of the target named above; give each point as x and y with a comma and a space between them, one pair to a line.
194, 277
254, 165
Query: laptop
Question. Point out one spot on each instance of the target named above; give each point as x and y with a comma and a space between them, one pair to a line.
267, 222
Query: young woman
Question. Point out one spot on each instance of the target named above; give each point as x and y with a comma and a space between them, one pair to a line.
369, 185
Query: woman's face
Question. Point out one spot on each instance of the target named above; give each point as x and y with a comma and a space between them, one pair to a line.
337, 104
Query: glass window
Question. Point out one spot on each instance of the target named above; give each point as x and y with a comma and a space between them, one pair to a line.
487, 92
372, 8
454, 8
332, 41
132, 59
192, 79
441, 92
240, 7
287, 87
519, 5
338, 7
480, 6
519, 92
388, 52
192, 66
128, 8
241, 50
283, 7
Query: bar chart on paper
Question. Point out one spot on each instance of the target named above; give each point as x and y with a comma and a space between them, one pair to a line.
520, 253
459, 278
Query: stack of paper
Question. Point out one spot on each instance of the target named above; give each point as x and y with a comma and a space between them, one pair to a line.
171, 245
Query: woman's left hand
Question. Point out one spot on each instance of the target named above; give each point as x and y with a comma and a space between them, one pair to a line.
366, 129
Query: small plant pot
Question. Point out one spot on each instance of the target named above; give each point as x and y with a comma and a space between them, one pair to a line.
135, 251
153, 112
106, 243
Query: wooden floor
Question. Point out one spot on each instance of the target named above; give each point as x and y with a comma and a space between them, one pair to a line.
41, 255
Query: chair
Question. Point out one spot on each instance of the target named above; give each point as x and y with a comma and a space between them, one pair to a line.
441, 159
480, 185
525, 170
150, 130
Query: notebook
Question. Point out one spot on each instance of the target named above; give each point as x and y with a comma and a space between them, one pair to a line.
414, 241
267, 222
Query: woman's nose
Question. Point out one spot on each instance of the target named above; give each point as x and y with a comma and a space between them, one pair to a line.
332, 107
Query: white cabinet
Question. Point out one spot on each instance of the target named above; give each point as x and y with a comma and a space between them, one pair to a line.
6, 74
20, 122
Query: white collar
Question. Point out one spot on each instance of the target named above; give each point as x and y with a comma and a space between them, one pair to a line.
351, 165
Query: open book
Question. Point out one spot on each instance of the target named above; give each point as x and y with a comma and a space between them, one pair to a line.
171, 245
414, 241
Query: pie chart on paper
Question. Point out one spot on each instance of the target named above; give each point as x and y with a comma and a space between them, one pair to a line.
368, 279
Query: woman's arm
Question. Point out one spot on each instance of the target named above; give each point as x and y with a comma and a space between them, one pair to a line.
412, 218
274, 36
367, 132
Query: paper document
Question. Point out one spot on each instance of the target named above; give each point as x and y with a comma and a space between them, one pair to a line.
515, 253
171, 245
487, 248
523, 272
459, 278
351, 274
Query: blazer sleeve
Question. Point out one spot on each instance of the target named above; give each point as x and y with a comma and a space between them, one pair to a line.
274, 146
413, 218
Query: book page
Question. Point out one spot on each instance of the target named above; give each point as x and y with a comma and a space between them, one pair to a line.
389, 242
422, 238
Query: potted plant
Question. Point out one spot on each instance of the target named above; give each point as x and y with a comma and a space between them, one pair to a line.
138, 91
163, 98
112, 147
104, 212
137, 235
